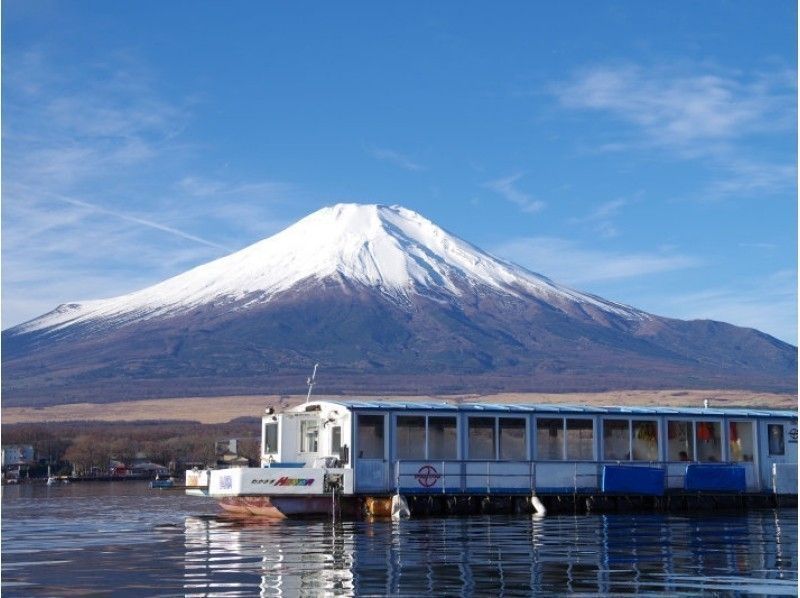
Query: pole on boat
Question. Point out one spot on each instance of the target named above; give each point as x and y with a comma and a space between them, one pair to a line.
311, 381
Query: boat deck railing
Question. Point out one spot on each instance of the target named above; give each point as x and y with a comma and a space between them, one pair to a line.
469, 476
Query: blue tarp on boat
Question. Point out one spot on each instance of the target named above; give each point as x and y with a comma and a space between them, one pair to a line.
633, 480
715, 477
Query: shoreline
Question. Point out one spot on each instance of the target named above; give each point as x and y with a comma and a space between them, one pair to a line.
224, 409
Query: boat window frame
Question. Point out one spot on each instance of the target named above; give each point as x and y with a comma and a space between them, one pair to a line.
264, 437
563, 418
603, 420
753, 439
655, 418
426, 415
690, 420
308, 420
467, 435
656, 421
782, 445
357, 436
594, 438
444, 415
526, 437
723, 437
331, 435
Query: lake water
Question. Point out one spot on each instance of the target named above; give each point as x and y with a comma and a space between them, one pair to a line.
125, 539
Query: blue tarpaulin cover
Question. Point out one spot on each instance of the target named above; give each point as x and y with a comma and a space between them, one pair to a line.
633, 480
715, 477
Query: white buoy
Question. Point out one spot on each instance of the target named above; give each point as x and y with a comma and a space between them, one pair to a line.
400, 508
538, 506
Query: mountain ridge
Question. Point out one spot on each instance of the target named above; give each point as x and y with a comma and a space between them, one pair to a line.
389, 302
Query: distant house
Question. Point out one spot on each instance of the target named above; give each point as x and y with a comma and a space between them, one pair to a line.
16, 459
232, 460
117, 468
147, 468
227, 452
17, 454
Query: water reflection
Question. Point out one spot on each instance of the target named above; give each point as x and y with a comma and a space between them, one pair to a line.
127, 540
494, 555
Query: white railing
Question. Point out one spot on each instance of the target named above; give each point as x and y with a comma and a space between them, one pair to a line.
461, 476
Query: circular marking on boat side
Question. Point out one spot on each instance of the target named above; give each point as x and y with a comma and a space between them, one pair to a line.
427, 476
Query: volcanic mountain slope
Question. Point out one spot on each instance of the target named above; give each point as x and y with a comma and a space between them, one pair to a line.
385, 300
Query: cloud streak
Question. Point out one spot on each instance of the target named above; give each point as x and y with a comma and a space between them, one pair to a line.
572, 264
136, 220
97, 195
507, 188
678, 109
396, 158
694, 113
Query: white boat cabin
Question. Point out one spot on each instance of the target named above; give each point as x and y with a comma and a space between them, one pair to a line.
413, 447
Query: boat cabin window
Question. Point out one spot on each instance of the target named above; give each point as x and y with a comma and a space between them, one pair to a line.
580, 439
410, 435
645, 440
775, 436
270, 438
635, 440
481, 438
708, 437
420, 437
512, 439
740, 441
309, 435
336, 440
559, 438
680, 441
616, 440
370, 437
442, 438
550, 439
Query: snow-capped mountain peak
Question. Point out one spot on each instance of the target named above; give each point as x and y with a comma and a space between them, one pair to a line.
389, 248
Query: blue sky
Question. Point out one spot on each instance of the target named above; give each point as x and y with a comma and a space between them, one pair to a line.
642, 151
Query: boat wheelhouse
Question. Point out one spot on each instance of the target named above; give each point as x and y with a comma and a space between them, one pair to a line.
354, 451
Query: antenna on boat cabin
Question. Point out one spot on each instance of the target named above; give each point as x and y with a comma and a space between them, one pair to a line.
311, 381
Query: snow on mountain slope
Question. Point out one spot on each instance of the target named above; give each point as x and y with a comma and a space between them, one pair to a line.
388, 248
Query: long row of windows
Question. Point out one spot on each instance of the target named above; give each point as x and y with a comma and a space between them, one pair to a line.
423, 437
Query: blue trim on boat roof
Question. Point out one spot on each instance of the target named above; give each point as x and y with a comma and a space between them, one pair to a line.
360, 404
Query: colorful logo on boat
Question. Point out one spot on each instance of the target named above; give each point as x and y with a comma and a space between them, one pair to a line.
225, 482
285, 481
427, 476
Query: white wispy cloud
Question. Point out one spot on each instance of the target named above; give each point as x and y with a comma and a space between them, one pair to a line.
570, 263
677, 108
601, 217
396, 158
98, 195
694, 112
507, 188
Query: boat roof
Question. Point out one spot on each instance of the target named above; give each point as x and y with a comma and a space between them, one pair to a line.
378, 405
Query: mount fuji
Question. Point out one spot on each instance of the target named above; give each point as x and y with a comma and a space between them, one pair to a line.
386, 301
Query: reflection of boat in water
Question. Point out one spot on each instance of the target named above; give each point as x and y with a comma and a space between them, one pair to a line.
491, 556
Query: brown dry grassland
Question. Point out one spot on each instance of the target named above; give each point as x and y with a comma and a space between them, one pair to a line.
214, 410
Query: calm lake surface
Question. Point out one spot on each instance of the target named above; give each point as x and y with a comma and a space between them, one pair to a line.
125, 539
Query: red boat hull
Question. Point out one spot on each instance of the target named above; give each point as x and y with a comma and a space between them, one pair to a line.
276, 507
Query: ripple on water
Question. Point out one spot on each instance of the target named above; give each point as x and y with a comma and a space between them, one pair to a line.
126, 539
